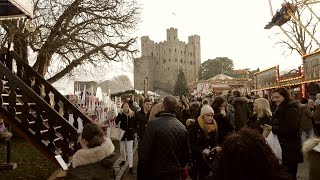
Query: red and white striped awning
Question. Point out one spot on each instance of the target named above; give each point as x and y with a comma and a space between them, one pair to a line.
13, 9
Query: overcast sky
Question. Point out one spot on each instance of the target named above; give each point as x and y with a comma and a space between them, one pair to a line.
233, 29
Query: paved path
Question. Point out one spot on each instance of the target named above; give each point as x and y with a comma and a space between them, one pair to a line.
122, 172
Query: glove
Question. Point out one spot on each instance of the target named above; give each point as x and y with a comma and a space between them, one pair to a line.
206, 151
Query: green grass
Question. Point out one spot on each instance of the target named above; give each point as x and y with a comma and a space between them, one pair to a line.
31, 164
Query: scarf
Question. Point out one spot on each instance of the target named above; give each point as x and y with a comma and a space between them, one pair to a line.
207, 127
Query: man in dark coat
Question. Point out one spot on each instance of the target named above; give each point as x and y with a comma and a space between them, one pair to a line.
241, 110
142, 117
164, 150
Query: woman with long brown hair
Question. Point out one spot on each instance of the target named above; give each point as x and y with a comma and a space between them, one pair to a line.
246, 155
285, 123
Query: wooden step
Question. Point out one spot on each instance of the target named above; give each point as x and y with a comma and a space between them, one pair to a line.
46, 130
55, 140
33, 113
7, 95
33, 122
19, 104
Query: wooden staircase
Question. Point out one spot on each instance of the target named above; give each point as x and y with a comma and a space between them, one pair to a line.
36, 110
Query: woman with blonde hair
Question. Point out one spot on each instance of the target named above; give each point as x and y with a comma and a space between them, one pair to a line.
203, 140
128, 123
155, 111
262, 114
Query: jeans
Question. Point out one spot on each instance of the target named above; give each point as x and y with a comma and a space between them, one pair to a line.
306, 135
126, 148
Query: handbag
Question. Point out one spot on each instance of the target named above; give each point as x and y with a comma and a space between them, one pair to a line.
115, 133
274, 143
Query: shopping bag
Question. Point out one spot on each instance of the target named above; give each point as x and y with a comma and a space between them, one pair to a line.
115, 133
273, 142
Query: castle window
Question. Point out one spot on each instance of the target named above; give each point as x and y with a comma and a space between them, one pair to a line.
175, 50
174, 37
191, 62
176, 60
181, 60
169, 60
168, 68
181, 51
164, 60
157, 62
169, 50
197, 44
151, 53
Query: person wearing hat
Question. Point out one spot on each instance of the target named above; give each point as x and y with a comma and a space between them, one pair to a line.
203, 135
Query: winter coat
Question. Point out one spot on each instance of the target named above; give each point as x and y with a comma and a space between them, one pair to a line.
164, 149
142, 120
230, 113
199, 142
2, 127
306, 117
255, 122
316, 114
127, 124
93, 163
224, 125
286, 125
241, 112
311, 153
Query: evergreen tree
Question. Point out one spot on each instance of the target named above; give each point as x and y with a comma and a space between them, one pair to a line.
180, 88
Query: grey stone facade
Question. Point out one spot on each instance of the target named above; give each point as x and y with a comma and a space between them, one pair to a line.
160, 62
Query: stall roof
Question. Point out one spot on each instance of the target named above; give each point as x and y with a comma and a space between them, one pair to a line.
12, 9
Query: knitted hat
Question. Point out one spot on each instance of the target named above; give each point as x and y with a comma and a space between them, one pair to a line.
206, 109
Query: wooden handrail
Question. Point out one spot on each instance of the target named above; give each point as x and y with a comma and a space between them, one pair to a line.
42, 105
56, 93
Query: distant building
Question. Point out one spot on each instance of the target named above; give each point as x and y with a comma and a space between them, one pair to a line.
160, 62
80, 85
105, 86
220, 84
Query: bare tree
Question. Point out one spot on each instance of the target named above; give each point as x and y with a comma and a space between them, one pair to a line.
303, 42
74, 33
123, 80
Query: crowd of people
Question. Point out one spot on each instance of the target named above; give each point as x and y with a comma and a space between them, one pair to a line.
221, 138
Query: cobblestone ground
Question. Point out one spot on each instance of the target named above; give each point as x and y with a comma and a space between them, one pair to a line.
302, 170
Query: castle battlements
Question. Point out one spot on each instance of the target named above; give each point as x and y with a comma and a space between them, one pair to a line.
161, 61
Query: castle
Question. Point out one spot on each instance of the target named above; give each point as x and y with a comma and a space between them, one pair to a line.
160, 62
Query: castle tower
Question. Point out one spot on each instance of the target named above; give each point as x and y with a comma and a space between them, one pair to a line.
160, 62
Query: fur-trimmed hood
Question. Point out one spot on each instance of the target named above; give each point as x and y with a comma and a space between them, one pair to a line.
309, 145
92, 155
189, 122
240, 99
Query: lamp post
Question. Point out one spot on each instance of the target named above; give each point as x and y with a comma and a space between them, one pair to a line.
146, 87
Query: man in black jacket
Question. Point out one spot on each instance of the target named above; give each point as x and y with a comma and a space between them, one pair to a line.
164, 150
142, 117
